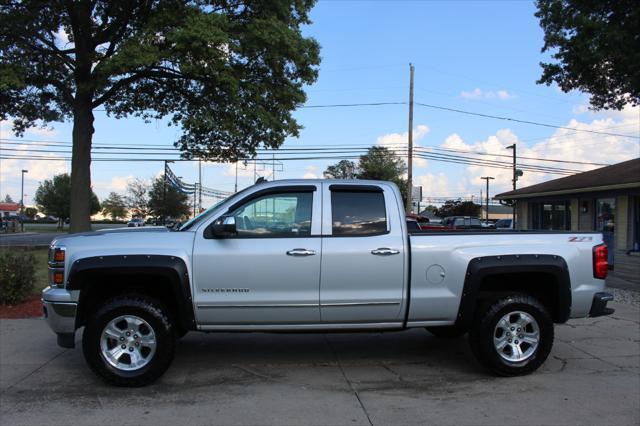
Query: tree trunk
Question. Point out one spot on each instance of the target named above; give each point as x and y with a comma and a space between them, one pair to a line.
81, 164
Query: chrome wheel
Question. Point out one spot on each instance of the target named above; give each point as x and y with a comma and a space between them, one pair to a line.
516, 336
128, 343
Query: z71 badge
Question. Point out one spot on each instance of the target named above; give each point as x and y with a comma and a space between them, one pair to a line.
580, 239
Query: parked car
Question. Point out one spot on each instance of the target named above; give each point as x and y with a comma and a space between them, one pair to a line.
504, 224
303, 255
462, 222
135, 222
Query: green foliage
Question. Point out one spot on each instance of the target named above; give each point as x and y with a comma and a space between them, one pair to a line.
30, 212
344, 169
596, 48
377, 164
114, 206
17, 276
381, 164
167, 201
53, 197
137, 198
228, 73
8, 199
458, 208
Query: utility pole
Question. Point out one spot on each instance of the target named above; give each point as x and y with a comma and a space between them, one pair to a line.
487, 178
199, 186
410, 134
235, 188
22, 200
515, 178
195, 194
273, 165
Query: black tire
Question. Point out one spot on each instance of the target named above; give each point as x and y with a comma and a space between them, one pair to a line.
155, 317
447, 331
481, 335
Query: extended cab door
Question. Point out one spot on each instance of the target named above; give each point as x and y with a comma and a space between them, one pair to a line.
269, 273
363, 255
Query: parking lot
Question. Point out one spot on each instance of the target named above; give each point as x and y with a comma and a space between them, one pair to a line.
409, 377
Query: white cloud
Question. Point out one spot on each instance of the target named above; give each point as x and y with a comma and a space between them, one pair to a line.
433, 184
564, 144
310, 172
478, 93
398, 141
62, 39
115, 184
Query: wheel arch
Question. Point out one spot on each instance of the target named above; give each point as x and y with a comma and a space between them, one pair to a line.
545, 277
163, 277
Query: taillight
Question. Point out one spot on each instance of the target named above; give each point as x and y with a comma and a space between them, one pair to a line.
600, 261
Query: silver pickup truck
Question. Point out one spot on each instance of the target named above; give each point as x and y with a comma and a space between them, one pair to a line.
302, 255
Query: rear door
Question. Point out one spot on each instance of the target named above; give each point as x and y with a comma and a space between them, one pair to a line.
269, 273
363, 255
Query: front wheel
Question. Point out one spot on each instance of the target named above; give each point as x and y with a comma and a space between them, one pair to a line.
513, 336
130, 341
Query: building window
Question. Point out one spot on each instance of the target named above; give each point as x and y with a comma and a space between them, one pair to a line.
551, 216
606, 214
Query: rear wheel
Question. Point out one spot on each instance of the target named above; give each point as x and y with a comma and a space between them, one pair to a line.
513, 336
130, 341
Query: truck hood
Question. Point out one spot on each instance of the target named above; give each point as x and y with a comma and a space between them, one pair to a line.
72, 238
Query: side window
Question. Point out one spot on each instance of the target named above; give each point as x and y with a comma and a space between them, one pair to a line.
358, 213
275, 215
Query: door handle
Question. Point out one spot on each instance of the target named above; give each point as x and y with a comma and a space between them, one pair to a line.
384, 251
301, 252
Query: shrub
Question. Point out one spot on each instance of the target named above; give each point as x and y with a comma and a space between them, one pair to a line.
17, 274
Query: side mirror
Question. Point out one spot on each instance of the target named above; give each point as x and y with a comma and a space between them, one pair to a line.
223, 227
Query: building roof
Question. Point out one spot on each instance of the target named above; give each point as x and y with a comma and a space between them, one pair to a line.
617, 176
9, 207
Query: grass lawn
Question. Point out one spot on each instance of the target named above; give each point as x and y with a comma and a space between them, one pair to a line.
42, 273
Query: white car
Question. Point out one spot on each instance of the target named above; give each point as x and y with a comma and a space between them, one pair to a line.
135, 222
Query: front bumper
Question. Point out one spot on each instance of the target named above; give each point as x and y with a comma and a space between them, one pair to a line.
60, 313
599, 305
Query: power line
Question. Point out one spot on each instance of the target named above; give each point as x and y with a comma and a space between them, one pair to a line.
533, 123
328, 148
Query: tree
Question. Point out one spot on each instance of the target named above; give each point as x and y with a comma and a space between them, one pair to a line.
137, 198
381, 164
596, 48
114, 206
53, 198
30, 212
167, 201
227, 72
8, 199
458, 208
345, 169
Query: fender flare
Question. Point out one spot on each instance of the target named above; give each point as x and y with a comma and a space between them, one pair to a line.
481, 267
170, 267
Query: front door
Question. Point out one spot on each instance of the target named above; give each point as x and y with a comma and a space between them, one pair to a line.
363, 259
269, 273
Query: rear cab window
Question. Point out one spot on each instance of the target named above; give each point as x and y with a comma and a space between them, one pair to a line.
358, 211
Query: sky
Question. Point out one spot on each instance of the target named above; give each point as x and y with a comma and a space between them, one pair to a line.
475, 56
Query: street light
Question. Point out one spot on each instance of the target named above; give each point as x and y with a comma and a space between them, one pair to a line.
22, 200
487, 178
513, 180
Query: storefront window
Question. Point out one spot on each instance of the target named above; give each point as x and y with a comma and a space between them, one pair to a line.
606, 214
555, 216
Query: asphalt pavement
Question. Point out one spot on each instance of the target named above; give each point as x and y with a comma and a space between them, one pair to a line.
407, 377
41, 239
